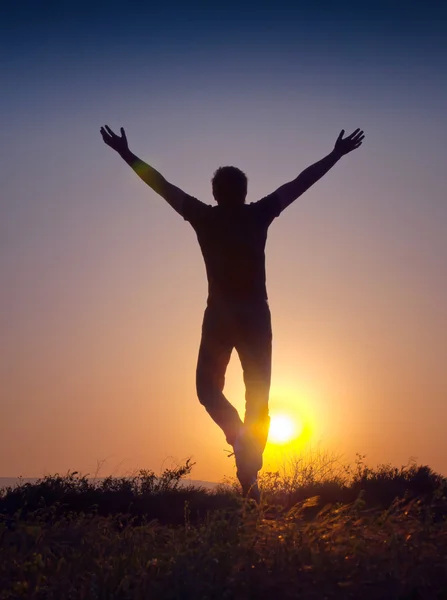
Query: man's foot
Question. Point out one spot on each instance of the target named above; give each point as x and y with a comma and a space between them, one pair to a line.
250, 488
248, 463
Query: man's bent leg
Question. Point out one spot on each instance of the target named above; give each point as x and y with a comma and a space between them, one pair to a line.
214, 355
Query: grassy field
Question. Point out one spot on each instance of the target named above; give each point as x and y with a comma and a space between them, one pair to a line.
322, 531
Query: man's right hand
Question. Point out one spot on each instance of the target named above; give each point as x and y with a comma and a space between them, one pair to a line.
118, 143
349, 143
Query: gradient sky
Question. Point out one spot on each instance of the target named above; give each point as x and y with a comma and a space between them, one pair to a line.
102, 284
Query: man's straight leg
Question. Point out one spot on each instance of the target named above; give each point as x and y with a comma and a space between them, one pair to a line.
254, 346
215, 350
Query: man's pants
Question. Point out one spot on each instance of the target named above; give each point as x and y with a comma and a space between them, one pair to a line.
246, 327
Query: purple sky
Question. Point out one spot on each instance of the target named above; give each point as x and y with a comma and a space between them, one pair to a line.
103, 286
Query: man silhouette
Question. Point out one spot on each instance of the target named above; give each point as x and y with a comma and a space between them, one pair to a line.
232, 237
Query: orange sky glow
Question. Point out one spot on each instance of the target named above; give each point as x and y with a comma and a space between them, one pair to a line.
103, 285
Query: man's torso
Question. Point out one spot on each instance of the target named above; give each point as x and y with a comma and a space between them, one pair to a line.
233, 247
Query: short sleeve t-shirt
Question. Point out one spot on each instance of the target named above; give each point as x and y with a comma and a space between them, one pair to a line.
233, 241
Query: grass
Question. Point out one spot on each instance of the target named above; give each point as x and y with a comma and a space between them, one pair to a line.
322, 531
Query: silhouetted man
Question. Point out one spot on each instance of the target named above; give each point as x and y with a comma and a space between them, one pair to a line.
232, 237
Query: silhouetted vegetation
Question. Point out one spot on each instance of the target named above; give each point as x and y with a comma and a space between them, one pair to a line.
141, 496
322, 531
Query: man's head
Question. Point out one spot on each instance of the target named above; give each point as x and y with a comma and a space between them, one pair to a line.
229, 186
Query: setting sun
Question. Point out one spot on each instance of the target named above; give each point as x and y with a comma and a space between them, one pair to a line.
283, 429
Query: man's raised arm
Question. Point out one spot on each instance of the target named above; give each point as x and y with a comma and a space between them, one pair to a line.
172, 194
289, 192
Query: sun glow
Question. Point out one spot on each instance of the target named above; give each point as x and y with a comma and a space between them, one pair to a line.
283, 429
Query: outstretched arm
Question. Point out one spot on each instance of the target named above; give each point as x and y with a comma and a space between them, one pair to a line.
172, 194
289, 192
